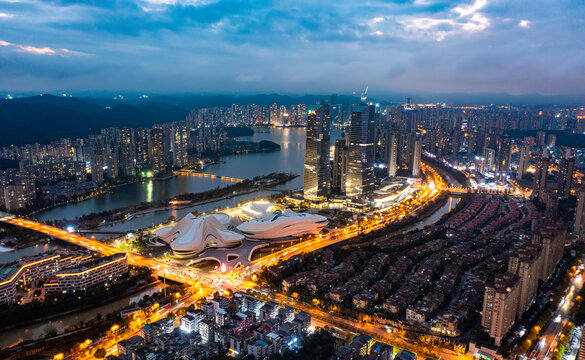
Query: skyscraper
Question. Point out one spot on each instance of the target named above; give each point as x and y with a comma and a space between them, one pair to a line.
126, 154
539, 183
359, 184
157, 150
391, 152
415, 144
274, 117
523, 161
500, 303
317, 170
339, 167
504, 154
565, 177
180, 144
142, 142
579, 225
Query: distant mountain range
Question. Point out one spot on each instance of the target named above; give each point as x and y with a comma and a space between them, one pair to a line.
45, 118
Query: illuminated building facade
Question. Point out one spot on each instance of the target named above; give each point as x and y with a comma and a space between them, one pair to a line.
142, 140
523, 161
339, 167
180, 144
391, 152
579, 225
316, 180
539, 183
500, 303
99, 271
157, 151
359, 184
31, 270
565, 177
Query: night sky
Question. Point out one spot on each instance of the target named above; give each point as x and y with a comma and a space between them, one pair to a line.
293, 46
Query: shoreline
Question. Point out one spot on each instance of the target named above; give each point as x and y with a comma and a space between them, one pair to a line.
5, 249
185, 206
110, 300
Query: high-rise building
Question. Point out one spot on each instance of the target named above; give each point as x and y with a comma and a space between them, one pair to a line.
540, 173
359, 184
126, 153
504, 155
415, 154
551, 238
97, 159
112, 162
527, 264
579, 225
157, 150
142, 142
523, 161
274, 115
490, 155
180, 144
316, 183
97, 169
565, 177
17, 190
500, 303
540, 138
391, 152
339, 167
551, 140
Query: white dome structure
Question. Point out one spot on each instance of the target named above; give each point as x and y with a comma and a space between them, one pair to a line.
257, 209
192, 235
283, 225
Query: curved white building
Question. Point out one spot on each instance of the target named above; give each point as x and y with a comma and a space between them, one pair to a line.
192, 235
257, 209
283, 225
391, 193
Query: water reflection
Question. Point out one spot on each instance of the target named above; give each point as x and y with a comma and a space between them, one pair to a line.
37, 331
290, 158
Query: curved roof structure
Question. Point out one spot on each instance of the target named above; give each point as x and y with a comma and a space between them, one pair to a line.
391, 193
192, 235
257, 209
283, 225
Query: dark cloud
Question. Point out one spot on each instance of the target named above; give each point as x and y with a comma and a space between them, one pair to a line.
293, 46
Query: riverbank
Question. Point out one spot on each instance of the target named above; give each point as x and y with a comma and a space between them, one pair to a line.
57, 305
117, 296
105, 188
247, 186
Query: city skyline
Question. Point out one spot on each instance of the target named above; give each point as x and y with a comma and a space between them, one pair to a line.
476, 46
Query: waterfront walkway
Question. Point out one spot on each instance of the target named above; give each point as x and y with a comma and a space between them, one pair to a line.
199, 174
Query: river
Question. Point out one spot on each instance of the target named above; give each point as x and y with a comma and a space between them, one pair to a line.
292, 142
37, 331
290, 158
15, 255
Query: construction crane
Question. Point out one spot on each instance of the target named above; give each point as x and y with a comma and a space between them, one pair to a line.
365, 95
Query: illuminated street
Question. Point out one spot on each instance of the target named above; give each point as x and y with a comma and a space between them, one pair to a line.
550, 334
236, 279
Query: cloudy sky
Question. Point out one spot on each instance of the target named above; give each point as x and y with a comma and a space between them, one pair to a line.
293, 46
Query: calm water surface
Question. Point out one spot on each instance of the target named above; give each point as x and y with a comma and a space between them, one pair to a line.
290, 159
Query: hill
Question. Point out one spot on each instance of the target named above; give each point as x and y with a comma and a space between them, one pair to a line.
47, 118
